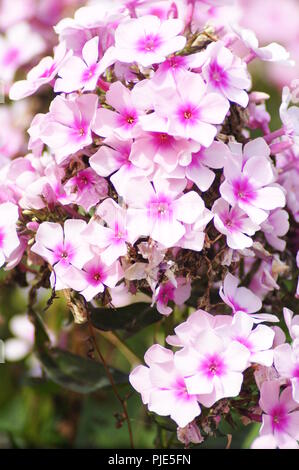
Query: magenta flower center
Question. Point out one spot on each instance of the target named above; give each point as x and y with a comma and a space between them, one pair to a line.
160, 208
64, 253
89, 73
217, 75
188, 114
243, 190
95, 275
149, 43
213, 366
279, 418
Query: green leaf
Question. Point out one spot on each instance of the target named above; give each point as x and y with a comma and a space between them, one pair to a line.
165, 423
131, 318
77, 373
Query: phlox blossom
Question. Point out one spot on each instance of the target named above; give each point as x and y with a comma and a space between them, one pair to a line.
9, 240
280, 427
163, 388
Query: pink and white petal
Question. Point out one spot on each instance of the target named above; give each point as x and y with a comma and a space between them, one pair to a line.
90, 51
140, 380
113, 252
49, 234
105, 123
259, 171
269, 395
269, 198
213, 108
105, 161
168, 232
188, 207
202, 176
265, 358
248, 299
236, 356
266, 441
231, 385
236, 95
185, 411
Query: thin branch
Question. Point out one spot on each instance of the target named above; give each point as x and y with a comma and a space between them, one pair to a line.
111, 380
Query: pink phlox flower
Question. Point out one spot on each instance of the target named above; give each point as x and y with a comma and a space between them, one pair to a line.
114, 156
289, 115
194, 236
154, 150
67, 127
111, 239
186, 333
124, 121
286, 362
146, 40
163, 388
212, 369
198, 170
65, 249
13, 54
235, 224
188, 111
292, 322
177, 292
98, 275
9, 240
86, 189
241, 299
277, 225
280, 427
258, 340
160, 210
249, 179
41, 74
226, 73
272, 52
80, 73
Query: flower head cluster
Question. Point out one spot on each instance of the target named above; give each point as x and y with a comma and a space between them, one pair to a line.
141, 177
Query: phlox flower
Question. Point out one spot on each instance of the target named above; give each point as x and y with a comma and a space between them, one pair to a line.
280, 426
186, 333
234, 223
22, 343
41, 74
65, 249
271, 53
289, 115
122, 122
67, 127
226, 74
86, 188
248, 178
160, 210
199, 169
258, 340
114, 156
162, 149
97, 275
292, 322
9, 240
163, 388
277, 225
112, 238
212, 369
240, 299
80, 74
147, 40
13, 54
188, 111
177, 292
286, 362
194, 236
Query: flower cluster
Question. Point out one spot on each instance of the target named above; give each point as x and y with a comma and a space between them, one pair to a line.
142, 176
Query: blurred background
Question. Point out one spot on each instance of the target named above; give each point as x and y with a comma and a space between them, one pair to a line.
34, 411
